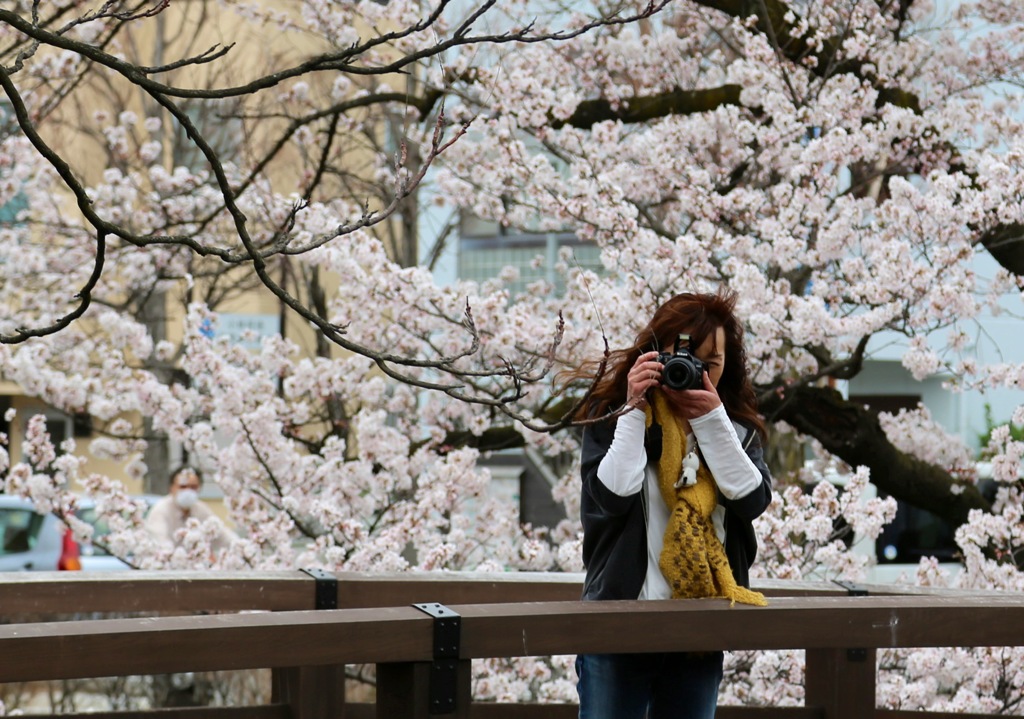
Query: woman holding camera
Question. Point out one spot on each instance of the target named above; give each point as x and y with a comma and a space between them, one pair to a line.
671, 486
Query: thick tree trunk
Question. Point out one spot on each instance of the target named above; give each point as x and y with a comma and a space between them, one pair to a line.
157, 456
1005, 245
852, 433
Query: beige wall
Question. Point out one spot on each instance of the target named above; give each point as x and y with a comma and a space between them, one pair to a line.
58, 423
185, 28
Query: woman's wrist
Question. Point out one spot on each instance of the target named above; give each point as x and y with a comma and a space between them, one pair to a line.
715, 418
637, 402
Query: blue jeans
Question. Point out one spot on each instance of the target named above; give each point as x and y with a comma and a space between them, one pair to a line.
676, 685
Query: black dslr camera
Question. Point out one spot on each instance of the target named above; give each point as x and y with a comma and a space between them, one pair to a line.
681, 369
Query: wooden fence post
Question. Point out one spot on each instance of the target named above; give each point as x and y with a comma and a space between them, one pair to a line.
403, 690
311, 692
841, 682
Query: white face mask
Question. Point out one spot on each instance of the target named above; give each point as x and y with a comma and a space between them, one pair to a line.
186, 498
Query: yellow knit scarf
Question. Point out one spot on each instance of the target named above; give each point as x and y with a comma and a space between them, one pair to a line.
693, 559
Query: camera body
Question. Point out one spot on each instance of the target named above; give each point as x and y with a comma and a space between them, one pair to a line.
681, 369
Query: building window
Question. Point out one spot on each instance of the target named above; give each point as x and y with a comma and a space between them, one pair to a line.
219, 122
486, 248
11, 205
914, 533
10, 210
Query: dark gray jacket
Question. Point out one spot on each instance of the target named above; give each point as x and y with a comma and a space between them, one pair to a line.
615, 528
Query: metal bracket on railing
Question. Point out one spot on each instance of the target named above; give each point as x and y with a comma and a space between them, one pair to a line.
326, 588
854, 590
444, 668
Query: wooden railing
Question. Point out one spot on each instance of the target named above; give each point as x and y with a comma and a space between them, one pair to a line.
422, 671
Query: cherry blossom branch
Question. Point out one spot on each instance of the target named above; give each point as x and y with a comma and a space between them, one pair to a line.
208, 56
107, 11
341, 61
305, 531
85, 294
403, 188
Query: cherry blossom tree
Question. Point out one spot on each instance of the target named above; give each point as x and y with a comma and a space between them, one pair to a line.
173, 213
844, 165
799, 157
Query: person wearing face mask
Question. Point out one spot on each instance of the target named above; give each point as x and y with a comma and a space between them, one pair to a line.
181, 504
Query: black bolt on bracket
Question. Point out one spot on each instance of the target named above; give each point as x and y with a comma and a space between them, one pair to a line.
444, 668
326, 588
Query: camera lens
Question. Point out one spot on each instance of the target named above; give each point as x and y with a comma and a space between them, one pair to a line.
679, 373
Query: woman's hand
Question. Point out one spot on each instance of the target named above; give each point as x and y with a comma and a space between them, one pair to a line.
693, 403
646, 373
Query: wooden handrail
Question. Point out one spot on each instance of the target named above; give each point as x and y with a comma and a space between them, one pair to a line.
173, 591
709, 624
154, 592
55, 650
308, 648
169, 591
156, 645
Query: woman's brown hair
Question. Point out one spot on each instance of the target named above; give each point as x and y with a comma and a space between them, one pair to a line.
699, 315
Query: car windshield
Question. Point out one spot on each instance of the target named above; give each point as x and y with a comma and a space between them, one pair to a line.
18, 530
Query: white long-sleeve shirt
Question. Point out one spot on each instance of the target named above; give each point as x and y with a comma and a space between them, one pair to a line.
625, 470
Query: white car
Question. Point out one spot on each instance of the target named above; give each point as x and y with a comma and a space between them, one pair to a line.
30, 541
